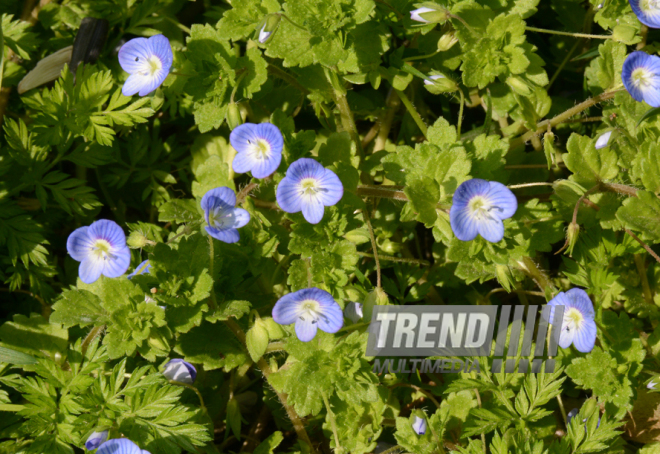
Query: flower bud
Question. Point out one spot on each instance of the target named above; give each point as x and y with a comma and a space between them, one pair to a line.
256, 340
96, 439
181, 371
447, 41
504, 277
572, 237
353, 312
136, 240
376, 297
429, 13
275, 331
234, 118
603, 140
439, 83
269, 27
419, 425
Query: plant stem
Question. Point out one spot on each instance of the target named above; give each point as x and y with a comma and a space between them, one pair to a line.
333, 423
45, 308
265, 369
427, 393
241, 196
396, 259
392, 102
108, 197
619, 188
644, 245
374, 247
90, 337
286, 77
563, 63
413, 112
641, 270
11, 407
543, 126
199, 395
528, 185
460, 115
382, 192
575, 35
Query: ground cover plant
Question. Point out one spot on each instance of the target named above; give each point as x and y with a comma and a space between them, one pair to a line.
201, 202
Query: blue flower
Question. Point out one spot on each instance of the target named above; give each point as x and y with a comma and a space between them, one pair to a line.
647, 11
144, 267
578, 327
258, 148
181, 371
309, 309
95, 440
222, 216
148, 61
641, 77
416, 14
478, 207
120, 446
309, 187
353, 312
101, 250
419, 426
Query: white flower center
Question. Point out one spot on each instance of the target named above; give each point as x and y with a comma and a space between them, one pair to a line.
642, 77
219, 218
481, 208
310, 310
151, 66
260, 148
309, 186
573, 319
650, 6
101, 249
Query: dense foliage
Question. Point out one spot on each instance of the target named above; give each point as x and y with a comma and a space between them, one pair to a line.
403, 109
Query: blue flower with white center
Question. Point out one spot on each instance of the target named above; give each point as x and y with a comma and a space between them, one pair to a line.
309, 187
181, 371
222, 216
479, 207
120, 446
353, 312
309, 309
258, 148
419, 426
647, 11
95, 440
101, 250
578, 327
641, 77
144, 267
603, 140
148, 61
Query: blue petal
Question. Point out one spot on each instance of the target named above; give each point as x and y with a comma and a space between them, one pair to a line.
225, 235
136, 48
305, 329
287, 309
560, 300
161, 48
150, 84
119, 446
571, 414
108, 231
502, 197
634, 61
240, 218
312, 209
222, 196
462, 223
305, 168
144, 267
331, 188
322, 297
288, 195
243, 139
579, 299
332, 319
95, 440
419, 426
266, 166
585, 337
353, 312
491, 230
133, 84
469, 189
566, 337
90, 270
180, 370
648, 18
79, 244
117, 262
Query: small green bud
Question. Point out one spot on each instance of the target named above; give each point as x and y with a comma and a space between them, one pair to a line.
376, 297
137, 240
549, 148
447, 41
518, 85
357, 236
234, 118
572, 237
256, 340
274, 329
439, 83
504, 277
590, 405
390, 247
269, 27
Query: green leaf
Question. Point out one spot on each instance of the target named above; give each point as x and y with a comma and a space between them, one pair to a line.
270, 443
181, 211
589, 166
424, 194
642, 214
34, 335
10, 356
78, 307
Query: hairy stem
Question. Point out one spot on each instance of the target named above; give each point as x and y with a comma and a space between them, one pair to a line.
333, 423
644, 245
460, 115
413, 112
396, 259
373, 246
575, 35
90, 337
214, 299
641, 270
392, 102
